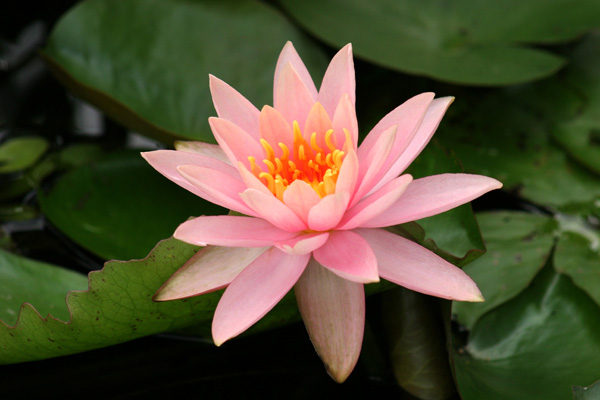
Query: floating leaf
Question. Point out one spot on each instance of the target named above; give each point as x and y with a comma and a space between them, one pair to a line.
20, 153
146, 62
460, 41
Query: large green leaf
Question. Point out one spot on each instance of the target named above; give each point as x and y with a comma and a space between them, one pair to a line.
146, 62
464, 41
119, 207
24, 280
536, 346
518, 246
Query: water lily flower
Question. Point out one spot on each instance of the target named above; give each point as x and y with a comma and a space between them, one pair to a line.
313, 206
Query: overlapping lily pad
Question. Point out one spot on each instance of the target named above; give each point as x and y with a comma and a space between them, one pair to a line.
467, 42
146, 62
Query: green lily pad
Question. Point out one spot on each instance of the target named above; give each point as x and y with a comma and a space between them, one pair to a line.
537, 346
119, 207
146, 62
467, 42
24, 280
21, 153
519, 245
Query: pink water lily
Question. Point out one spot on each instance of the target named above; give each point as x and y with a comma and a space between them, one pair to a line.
313, 205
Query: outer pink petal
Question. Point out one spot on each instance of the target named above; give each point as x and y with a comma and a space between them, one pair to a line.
303, 244
317, 121
348, 255
376, 204
210, 269
204, 149
255, 291
271, 209
407, 264
345, 118
289, 55
338, 80
300, 197
432, 119
372, 163
236, 143
292, 99
167, 161
348, 174
230, 231
234, 107
223, 189
275, 129
333, 310
328, 212
433, 195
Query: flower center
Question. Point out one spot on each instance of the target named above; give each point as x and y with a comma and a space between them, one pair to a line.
309, 162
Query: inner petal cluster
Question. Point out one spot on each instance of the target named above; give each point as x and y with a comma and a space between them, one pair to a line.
316, 165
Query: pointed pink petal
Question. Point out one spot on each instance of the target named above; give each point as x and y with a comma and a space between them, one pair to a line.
338, 80
348, 255
327, 213
303, 244
236, 143
251, 181
234, 107
431, 121
348, 176
210, 269
292, 98
376, 204
255, 291
204, 149
289, 55
333, 310
345, 118
372, 163
274, 129
317, 121
300, 197
223, 189
167, 161
230, 231
271, 209
433, 195
407, 264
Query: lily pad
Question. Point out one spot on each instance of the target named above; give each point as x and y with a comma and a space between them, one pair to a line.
146, 62
542, 342
119, 207
20, 153
467, 42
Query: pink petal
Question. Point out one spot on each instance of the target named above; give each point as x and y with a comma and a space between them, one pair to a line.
230, 231
274, 129
433, 195
345, 118
255, 291
204, 149
234, 107
431, 120
222, 189
348, 255
338, 80
289, 55
372, 162
348, 174
292, 99
407, 264
237, 144
271, 209
303, 244
317, 121
328, 212
375, 204
300, 197
210, 269
333, 310
167, 161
